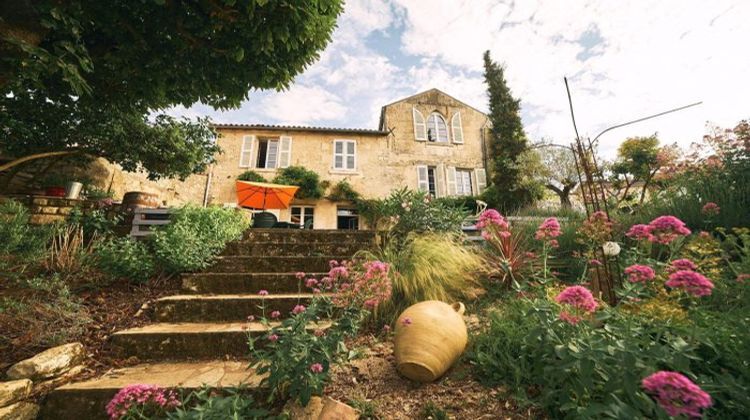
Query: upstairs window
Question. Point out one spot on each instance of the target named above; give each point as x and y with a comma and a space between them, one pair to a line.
345, 155
437, 130
268, 153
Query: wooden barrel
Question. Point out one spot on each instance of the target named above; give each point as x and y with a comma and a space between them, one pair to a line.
430, 337
138, 199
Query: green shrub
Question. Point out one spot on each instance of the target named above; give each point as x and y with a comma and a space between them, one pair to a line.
343, 191
95, 222
207, 404
123, 258
195, 235
21, 243
310, 186
427, 267
251, 176
405, 211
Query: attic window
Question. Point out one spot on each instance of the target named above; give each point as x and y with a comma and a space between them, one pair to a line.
437, 130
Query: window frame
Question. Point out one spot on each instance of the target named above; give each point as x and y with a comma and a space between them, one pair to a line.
268, 141
435, 115
464, 174
344, 155
303, 214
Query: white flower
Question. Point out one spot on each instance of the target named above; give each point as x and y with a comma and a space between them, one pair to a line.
611, 249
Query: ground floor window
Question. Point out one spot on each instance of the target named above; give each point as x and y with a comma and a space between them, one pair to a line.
303, 216
347, 219
463, 182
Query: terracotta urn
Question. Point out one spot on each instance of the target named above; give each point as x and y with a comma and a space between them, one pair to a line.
430, 337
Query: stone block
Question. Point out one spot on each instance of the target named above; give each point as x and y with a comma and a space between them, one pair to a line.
39, 201
47, 210
64, 210
49, 363
14, 391
321, 409
19, 411
45, 219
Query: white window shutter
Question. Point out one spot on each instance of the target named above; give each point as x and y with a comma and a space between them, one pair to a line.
458, 132
272, 154
420, 128
246, 151
423, 183
285, 151
440, 181
481, 176
450, 176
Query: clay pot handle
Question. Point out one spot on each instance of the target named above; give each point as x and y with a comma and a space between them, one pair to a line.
459, 307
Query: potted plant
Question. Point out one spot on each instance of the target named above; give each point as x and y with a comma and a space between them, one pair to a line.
54, 185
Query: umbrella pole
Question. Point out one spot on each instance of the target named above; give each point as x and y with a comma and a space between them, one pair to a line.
265, 194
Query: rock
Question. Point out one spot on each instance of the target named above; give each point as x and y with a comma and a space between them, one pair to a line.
49, 363
321, 409
13, 391
19, 411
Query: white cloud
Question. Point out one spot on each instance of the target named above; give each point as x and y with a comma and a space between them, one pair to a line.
302, 105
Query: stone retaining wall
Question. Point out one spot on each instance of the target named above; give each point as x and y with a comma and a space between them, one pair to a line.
49, 209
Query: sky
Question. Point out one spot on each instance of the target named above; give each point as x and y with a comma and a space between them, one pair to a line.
624, 60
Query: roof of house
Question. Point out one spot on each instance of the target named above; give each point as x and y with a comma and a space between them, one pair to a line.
274, 127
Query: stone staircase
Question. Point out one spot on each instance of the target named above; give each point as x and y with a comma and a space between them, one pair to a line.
200, 337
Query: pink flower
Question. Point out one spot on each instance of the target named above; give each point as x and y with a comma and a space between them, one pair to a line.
316, 368
386, 329
273, 338
298, 309
530, 255
683, 264
549, 229
665, 229
578, 297
553, 243
639, 232
140, 394
691, 282
570, 318
491, 217
743, 278
406, 321
319, 333
310, 283
275, 314
300, 275
595, 263
250, 318
263, 293
639, 273
711, 209
676, 394
333, 263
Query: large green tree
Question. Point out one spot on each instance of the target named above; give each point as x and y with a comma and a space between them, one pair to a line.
558, 170
509, 189
88, 76
638, 161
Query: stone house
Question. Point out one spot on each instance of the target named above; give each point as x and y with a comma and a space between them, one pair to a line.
429, 141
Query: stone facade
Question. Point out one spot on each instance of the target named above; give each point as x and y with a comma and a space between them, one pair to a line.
408, 149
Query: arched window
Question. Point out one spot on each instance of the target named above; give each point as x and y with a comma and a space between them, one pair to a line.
437, 130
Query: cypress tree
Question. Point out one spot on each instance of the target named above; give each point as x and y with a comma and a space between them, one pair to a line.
509, 190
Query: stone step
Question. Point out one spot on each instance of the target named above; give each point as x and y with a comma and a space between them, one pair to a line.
290, 236
237, 283
189, 340
273, 249
88, 399
246, 264
216, 308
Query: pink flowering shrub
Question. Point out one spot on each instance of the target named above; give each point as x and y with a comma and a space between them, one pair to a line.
683, 264
639, 233
296, 355
548, 230
639, 273
141, 400
677, 394
666, 229
579, 301
513, 263
691, 282
711, 209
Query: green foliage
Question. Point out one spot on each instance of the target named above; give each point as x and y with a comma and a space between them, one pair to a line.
432, 411
123, 258
510, 188
21, 241
195, 235
432, 266
251, 176
211, 404
71, 93
367, 409
343, 191
310, 186
95, 222
466, 203
405, 211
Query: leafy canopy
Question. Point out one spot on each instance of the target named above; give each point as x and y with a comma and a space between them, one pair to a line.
86, 75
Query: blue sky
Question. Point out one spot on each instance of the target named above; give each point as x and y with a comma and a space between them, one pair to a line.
624, 60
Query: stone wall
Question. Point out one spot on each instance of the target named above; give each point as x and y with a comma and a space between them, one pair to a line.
49, 209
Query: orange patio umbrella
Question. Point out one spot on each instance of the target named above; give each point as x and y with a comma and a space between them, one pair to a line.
260, 195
